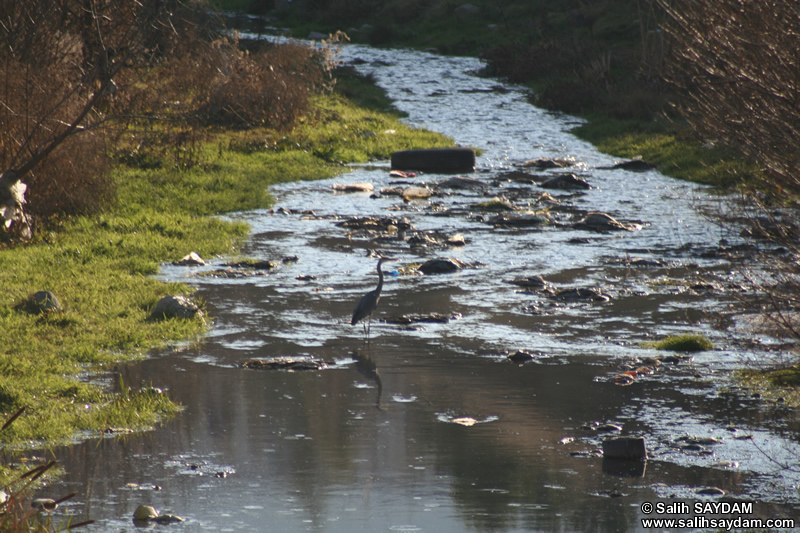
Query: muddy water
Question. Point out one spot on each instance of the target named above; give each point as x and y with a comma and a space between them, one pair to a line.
430, 427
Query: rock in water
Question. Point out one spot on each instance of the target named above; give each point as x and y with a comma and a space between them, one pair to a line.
439, 266
354, 187
145, 512
175, 307
625, 448
597, 221
566, 182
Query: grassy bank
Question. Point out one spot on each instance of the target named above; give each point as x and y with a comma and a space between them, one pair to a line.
669, 146
100, 266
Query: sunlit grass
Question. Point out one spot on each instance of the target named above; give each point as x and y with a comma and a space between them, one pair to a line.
675, 154
780, 385
683, 343
101, 266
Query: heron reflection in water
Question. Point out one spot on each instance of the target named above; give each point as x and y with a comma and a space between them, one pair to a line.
366, 366
369, 301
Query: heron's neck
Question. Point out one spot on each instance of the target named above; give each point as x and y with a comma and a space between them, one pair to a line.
380, 277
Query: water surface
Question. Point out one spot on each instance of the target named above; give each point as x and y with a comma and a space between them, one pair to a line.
431, 428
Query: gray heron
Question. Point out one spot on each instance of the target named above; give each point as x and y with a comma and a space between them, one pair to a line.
369, 301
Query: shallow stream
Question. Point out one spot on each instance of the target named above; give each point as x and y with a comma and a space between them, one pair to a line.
428, 426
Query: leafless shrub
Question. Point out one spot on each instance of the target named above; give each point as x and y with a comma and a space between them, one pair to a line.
266, 88
75, 75
72, 180
68, 70
737, 65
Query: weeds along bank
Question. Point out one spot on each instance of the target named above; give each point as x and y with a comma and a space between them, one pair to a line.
164, 176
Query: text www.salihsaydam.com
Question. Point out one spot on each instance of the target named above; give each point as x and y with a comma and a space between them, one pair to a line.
721, 523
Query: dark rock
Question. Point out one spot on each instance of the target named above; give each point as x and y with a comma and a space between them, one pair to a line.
257, 265
597, 221
288, 363
518, 176
168, 519
636, 165
44, 302
531, 282
438, 318
376, 223
675, 359
544, 163
521, 356
625, 448
566, 182
175, 307
710, 491
440, 266
583, 295
460, 182
519, 220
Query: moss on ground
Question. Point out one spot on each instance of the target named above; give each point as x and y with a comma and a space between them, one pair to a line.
683, 343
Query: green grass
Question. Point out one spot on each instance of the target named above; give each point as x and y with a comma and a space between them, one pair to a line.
781, 384
100, 266
683, 343
675, 153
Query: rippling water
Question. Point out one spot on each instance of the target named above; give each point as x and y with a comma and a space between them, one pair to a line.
432, 429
